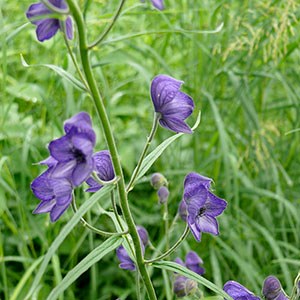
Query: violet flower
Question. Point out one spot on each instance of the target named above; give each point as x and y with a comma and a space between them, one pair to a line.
272, 289
159, 4
163, 194
74, 151
202, 205
192, 262
126, 262
104, 169
47, 26
173, 105
238, 292
55, 194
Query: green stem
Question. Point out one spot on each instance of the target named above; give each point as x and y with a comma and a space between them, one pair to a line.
144, 152
92, 228
172, 249
99, 105
166, 219
108, 29
61, 11
296, 289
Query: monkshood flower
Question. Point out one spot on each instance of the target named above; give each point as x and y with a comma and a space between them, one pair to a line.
202, 205
39, 15
104, 169
272, 289
159, 4
238, 292
173, 105
55, 193
73, 152
184, 286
126, 262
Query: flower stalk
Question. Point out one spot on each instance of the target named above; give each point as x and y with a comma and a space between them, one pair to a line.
99, 105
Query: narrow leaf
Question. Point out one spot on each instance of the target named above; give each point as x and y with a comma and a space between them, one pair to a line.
174, 267
64, 232
91, 259
156, 153
61, 72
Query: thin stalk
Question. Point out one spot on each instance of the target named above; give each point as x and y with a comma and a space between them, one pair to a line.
108, 29
144, 152
99, 105
166, 219
138, 286
92, 228
61, 11
296, 289
172, 249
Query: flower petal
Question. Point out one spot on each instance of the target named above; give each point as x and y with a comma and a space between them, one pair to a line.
175, 124
62, 149
80, 121
47, 29
238, 292
193, 178
42, 188
44, 207
158, 4
35, 11
194, 229
69, 28
208, 224
81, 172
214, 205
103, 165
94, 185
57, 211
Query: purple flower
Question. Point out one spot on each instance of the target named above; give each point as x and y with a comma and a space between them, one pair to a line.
159, 4
238, 292
202, 205
184, 286
163, 194
39, 15
55, 194
104, 168
73, 151
126, 262
182, 210
272, 289
192, 262
173, 105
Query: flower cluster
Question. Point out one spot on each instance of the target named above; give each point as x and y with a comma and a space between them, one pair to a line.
184, 286
160, 183
40, 15
71, 162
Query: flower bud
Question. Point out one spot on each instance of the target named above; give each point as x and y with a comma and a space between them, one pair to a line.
272, 289
143, 234
163, 194
184, 286
158, 180
182, 210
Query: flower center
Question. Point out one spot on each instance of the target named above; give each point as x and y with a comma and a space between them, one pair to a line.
201, 211
79, 156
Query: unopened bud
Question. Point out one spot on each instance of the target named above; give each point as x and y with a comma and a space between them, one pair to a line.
184, 286
143, 234
163, 194
158, 180
182, 210
272, 289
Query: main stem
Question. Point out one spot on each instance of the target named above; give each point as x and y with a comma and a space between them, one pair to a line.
97, 99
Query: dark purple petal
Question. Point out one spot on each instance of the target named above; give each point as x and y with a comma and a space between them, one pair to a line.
69, 28
103, 165
59, 3
44, 207
159, 4
193, 262
208, 224
194, 229
272, 289
81, 172
94, 185
64, 169
35, 11
81, 121
193, 178
175, 124
41, 187
82, 143
214, 205
58, 210
61, 149
47, 29
195, 204
184, 286
143, 234
125, 261
62, 189
238, 292
50, 162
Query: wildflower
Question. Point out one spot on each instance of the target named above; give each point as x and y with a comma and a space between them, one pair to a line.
55, 194
202, 205
158, 180
238, 292
159, 4
184, 286
73, 152
163, 194
104, 169
272, 289
39, 15
182, 210
126, 262
173, 105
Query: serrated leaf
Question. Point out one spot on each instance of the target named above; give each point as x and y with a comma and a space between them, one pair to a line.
157, 152
64, 232
174, 267
61, 72
92, 258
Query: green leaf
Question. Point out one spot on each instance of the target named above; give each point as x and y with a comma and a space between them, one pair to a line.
174, 267
93, 257
156, 153
64, 74
65, 231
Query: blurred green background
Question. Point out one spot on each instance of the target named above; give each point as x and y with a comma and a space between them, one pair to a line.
245, 81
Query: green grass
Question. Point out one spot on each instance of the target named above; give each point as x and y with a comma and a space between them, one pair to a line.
245, 81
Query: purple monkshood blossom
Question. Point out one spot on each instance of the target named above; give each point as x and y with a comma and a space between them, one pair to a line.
202, 205
39, 15
70, 163
184, 286
104, 169
272, 289
173, 105
159, 4
238, 292
126, 262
